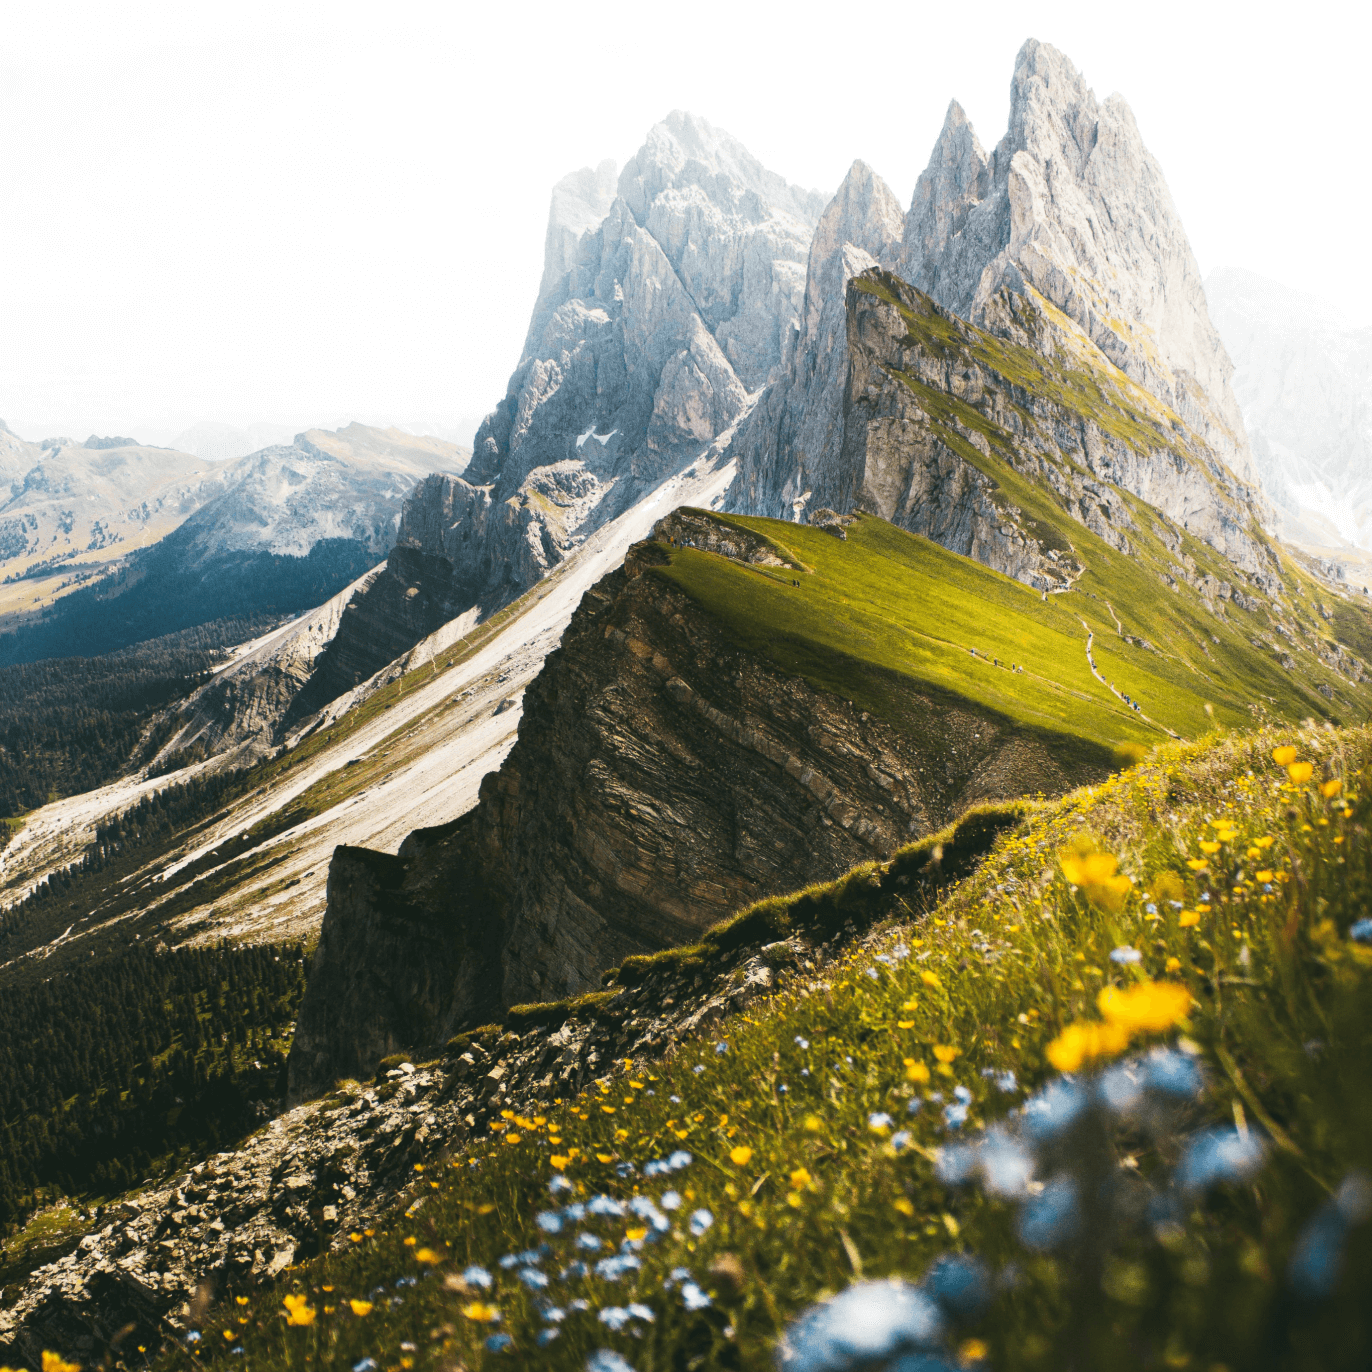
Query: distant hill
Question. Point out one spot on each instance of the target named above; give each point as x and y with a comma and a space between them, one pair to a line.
108, 547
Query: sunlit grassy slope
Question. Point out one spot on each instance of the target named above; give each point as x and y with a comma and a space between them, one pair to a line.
888, 612
1233, 658
790, 1182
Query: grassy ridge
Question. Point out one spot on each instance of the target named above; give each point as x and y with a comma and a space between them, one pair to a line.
795, 1186
888, 611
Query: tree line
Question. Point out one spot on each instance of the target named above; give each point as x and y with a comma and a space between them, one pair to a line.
114, 1071
68, 725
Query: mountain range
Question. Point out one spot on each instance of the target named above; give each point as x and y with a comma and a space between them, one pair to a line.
812, 538
85, 524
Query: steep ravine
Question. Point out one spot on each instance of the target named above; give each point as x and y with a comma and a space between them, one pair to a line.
663, 778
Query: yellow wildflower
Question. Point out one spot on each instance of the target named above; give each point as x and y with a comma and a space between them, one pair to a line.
916, 1070
429, 1256
1173, 965
1198, 864
481, 1312
298, 1312
813, 1124
411, 1241
946, 1052
229, 1334
1265, 842
361, 1307
1188, 918
1206, 846
1147, 1008
559, 1160
1284, 756
740, 1156
904, 1204
800, 1179
905, 1024
929, 979
1300, 772
55, 1362
1082, 1043
1264, 875
1095, 873
1331, 788
972, 1350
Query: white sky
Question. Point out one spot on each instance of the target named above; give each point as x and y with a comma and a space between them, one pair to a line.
308, 213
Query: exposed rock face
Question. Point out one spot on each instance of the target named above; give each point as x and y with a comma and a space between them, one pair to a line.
663, 778
1072, 204
788, 444
921, 391
243, 708
1304, 381
580, 202
665, 300
735, 233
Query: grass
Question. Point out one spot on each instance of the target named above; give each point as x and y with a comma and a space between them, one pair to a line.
1239, 678
985, 983
888, 617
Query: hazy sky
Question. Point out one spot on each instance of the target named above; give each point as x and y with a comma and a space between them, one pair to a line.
309, 213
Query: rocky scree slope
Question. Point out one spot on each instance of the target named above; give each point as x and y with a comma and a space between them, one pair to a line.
663, 777
337, 1165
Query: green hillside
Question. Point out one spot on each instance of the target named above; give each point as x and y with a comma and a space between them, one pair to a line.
1208, 898
1209, 649
887, 612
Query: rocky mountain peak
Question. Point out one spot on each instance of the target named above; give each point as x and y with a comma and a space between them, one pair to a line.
863, 215
955, 181
1073, 206
580, 202
735, 234
686, 153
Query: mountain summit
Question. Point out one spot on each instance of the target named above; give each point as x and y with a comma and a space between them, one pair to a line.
1073, 206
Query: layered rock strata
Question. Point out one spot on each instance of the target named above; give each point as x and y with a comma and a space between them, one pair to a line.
663, 778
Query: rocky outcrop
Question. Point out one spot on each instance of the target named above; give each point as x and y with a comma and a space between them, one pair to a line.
662, 779
1073, 206
787, 446
929, 403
